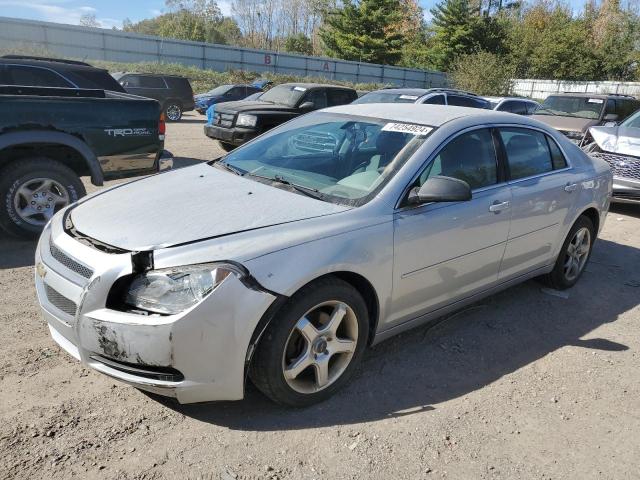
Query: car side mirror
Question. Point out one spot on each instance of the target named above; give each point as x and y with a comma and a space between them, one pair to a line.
610, 124
307, 106
440, 189
611, 117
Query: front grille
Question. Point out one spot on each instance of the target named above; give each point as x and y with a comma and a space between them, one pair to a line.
60, 301
69, 262
223, 119
621, 165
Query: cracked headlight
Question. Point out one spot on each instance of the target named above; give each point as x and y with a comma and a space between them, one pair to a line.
174, 290
247, 120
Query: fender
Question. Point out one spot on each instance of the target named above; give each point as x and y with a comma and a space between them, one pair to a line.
60, 138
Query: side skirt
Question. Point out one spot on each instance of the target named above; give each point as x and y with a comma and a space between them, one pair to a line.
435, 314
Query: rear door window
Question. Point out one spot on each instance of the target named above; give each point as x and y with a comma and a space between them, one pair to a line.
514, 106
528, 152
35, 77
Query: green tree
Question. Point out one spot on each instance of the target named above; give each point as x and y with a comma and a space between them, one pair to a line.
483, 73
299, 43
457, 29
364, 30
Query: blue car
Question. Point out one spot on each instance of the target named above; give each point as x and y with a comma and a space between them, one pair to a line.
224, 93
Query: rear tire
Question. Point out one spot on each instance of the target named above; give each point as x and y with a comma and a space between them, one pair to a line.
227, 147
313, 345
574, 255
173, 111
32, 190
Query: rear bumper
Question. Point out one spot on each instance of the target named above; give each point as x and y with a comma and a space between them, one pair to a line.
234, 136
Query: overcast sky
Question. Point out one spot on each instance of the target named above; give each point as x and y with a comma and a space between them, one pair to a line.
111, 13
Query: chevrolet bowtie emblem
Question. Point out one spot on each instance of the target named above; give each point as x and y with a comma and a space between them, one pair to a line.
41, 270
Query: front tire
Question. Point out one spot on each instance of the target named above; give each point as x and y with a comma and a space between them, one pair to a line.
574, 255
313, 345
32, 191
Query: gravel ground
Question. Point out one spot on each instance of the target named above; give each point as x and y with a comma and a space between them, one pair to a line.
524, 385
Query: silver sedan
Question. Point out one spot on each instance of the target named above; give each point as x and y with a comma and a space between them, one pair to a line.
282, 261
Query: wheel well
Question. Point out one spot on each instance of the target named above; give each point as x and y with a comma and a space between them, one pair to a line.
61, 153
592, 214
364, 288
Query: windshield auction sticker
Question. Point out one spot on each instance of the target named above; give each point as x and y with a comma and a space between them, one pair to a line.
408, 97
407, 128
595, 100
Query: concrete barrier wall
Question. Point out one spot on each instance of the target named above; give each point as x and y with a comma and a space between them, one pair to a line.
100, 44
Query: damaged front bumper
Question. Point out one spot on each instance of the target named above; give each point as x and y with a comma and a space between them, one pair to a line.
197, 355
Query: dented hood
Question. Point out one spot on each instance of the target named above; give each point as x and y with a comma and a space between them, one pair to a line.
188, 205
618, 139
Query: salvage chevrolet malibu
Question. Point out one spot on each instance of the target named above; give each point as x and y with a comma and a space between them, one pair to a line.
282, 261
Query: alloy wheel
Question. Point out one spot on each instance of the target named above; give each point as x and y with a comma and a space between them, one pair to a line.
173, 112
577, 253
38, 199
320, 347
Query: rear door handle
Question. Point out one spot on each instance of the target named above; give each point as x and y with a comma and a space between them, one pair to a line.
570, 187
497, 207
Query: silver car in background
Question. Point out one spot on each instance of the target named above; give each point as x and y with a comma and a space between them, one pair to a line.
619, 146
285, 259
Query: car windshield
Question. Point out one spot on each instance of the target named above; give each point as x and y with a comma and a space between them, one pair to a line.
334, 157
221, 90
633, 121
387, 97
284, 95
570, 106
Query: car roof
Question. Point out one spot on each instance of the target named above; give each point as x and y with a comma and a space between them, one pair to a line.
53, 64
603, 96
426, 114
313, 85
500, 99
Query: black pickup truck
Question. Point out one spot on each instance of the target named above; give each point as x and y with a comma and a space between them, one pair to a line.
50, 137
235, 123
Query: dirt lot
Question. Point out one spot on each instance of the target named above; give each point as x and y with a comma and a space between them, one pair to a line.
523, 385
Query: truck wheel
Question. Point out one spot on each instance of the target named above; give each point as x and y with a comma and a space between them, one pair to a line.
32, 191
173, 111
227, 147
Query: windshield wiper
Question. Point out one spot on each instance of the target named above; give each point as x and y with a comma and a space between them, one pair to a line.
308, 191
231, 169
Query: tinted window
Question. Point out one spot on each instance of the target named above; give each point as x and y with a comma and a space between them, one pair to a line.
318, 97
35, 77
556, 155
151, 82
94, 79
435, 100
527, 152
340, 97
470, 157
460, 101
626, 107
180, 84
532, 108
236, 92
611, 107
514, 106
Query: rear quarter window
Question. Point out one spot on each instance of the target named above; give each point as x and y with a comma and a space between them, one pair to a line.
180, 84
340, 97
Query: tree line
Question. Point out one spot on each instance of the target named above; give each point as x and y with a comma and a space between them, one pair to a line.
471, 39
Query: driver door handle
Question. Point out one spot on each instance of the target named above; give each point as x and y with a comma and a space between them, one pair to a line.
570, 187
497, 207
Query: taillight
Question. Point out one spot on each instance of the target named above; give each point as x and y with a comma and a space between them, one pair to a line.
162, 126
